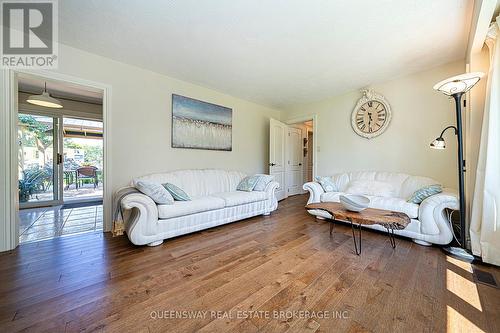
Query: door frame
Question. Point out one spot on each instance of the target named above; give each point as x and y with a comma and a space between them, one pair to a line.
314, 118
9, 226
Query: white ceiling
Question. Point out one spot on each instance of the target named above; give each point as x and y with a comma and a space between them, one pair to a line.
277, 53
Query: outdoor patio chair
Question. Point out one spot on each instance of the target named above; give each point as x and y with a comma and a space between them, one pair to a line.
86, 172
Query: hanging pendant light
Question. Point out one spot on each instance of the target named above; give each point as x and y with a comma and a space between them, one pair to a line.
45, 100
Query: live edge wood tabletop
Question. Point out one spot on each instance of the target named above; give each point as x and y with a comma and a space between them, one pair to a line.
369, 216
389, 219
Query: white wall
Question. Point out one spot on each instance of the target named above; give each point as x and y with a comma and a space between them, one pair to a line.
140, 126
141, 120
419, 114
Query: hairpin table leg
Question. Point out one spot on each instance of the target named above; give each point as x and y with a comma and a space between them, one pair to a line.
331, 227
358, 252
390, 232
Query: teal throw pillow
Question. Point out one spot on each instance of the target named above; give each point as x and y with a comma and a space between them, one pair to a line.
176, 192
327, 184
247, 184
423, 193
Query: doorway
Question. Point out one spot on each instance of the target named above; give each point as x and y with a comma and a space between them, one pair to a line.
60, 159
291, 155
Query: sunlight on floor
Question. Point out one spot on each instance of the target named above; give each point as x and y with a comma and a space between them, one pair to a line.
462, 264
459, 323
463, 288
459, 283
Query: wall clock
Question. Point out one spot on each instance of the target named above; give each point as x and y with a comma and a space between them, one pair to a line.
371, 115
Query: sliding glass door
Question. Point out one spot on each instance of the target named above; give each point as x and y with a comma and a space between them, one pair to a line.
39, 160
60, 159
83, 160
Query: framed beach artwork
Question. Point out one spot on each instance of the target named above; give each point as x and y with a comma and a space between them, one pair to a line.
200, 125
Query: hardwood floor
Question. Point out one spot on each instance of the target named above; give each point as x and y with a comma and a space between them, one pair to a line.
248, 276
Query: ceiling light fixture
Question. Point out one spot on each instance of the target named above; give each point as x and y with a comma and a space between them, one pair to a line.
44, 99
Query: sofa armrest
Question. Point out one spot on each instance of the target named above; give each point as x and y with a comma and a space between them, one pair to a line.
142, 221
432, 215
271, 195
315, 191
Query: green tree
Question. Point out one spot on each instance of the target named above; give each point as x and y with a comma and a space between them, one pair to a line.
35, 133
93, 155
68, 143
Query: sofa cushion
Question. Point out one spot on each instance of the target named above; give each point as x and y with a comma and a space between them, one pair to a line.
330, 196
394, 204
240, 198
195, 205
199, 183
414, 183
340, 180
371, 187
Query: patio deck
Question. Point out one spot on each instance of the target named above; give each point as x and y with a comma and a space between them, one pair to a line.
72, 193
49, 222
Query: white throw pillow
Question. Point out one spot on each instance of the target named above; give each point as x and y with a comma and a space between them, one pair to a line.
262, 182
248, 183
371, 187
156, 192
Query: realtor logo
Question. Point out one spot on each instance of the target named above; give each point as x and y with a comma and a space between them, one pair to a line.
29, 34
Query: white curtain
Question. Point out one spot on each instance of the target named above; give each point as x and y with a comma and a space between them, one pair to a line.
485, 217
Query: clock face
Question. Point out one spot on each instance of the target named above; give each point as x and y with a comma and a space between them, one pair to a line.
371, 117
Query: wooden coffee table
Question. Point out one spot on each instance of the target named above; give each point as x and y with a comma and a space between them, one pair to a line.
386, 218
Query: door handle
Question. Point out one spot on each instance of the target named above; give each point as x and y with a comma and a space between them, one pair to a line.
300, 163
272, 164
59, 158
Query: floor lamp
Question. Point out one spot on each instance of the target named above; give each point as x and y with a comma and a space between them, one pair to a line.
456, 87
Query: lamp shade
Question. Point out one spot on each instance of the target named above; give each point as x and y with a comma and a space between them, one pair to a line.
439, 143
458, 84
44, 99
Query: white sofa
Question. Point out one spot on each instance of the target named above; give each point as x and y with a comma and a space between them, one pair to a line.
215, 201
429, 223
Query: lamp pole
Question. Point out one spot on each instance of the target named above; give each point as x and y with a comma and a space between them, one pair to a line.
461, 167
456, 86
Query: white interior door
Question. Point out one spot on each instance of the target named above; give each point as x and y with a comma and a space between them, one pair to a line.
294, 173
277, 133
